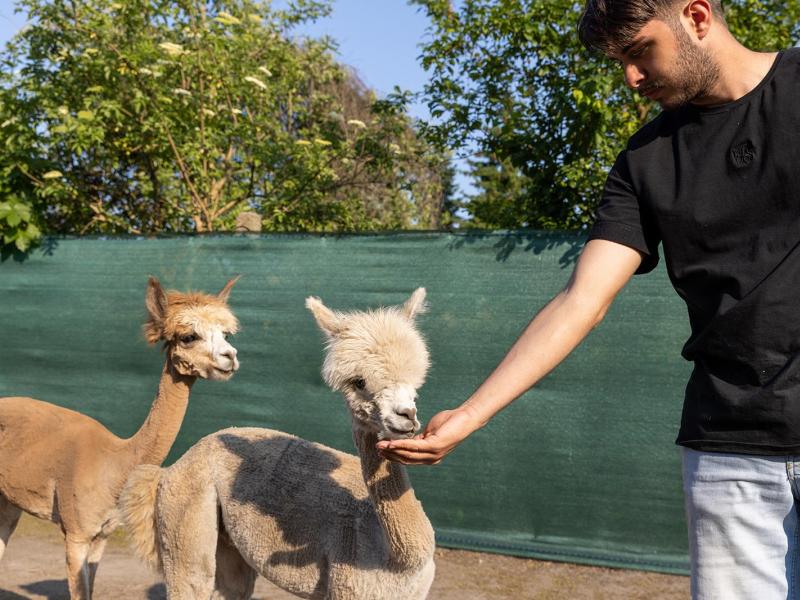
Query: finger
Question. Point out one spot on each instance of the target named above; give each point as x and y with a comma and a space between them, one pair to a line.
434, 424
415, 444
412, 462
411, 457
384, 444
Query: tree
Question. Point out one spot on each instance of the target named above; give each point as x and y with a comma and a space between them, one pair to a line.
511, 83
143, 116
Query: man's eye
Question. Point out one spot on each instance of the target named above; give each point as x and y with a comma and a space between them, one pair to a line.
639, 51
188, 339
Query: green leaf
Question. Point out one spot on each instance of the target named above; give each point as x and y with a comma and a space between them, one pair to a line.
22, 242
13, 218
23, 211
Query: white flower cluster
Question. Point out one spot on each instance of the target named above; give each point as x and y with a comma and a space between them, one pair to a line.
256, 81
226, 19
172, 49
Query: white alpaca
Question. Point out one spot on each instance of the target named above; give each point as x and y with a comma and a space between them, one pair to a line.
315, 521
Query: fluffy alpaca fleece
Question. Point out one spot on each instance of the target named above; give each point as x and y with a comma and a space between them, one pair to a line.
317, 522
60, 465
184, 314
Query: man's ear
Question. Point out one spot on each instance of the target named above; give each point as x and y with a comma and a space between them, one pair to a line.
700, 15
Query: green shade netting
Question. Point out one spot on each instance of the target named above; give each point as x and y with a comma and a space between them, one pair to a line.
583, 468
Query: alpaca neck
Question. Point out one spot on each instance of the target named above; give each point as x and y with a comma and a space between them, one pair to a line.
408, 531
151, 444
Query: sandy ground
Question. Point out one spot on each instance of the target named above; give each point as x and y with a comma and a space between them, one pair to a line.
33, 567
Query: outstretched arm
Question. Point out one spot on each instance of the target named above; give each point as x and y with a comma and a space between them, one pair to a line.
603, 269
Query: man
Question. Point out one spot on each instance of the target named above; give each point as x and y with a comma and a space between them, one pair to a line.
715, 178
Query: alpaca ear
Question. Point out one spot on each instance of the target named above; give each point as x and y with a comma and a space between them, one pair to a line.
325, 317
226, 291
156, 303
415, 304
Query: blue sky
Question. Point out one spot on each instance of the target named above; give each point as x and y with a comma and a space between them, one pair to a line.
380, 39
9, 22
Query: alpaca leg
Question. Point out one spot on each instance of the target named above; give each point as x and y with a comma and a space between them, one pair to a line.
9, 517
78, 576
188, 561
95, 554
235, 579
426, 580
186, 512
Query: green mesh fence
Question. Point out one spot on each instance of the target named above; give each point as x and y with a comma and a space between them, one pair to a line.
582, 469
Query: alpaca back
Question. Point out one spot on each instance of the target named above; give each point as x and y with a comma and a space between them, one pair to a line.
296, 509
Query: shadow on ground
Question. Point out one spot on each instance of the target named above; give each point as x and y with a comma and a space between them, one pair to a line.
52, 589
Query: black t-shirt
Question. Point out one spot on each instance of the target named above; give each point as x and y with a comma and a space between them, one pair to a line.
720, 189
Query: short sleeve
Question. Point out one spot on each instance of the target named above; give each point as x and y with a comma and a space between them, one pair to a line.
620, 217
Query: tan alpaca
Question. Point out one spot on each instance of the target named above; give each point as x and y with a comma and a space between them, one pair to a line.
60, 465
315, 521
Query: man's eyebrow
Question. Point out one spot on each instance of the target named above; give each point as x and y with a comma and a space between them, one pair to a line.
637, 40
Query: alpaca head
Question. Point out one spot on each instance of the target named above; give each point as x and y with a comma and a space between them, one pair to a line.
378, 360
194, 327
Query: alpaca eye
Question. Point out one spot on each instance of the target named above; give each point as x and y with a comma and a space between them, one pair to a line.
188, 339
359, 384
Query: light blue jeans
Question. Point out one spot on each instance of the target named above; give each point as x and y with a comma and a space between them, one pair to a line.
742, 513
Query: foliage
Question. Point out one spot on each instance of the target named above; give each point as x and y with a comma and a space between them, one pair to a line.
144, 116
764, 25
16, 223
18, 229
510, 81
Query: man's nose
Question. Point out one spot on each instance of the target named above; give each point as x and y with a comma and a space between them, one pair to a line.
634, 76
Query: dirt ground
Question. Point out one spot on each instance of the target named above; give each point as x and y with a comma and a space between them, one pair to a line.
33, 567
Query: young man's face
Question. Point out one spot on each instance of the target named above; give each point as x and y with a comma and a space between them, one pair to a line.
664, 64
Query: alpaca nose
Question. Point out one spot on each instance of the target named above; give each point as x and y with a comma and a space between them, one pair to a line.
229, 353
409, 412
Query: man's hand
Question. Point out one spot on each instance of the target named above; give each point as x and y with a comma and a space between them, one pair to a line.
442, 434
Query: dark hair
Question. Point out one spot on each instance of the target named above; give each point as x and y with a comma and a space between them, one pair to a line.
610, 25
